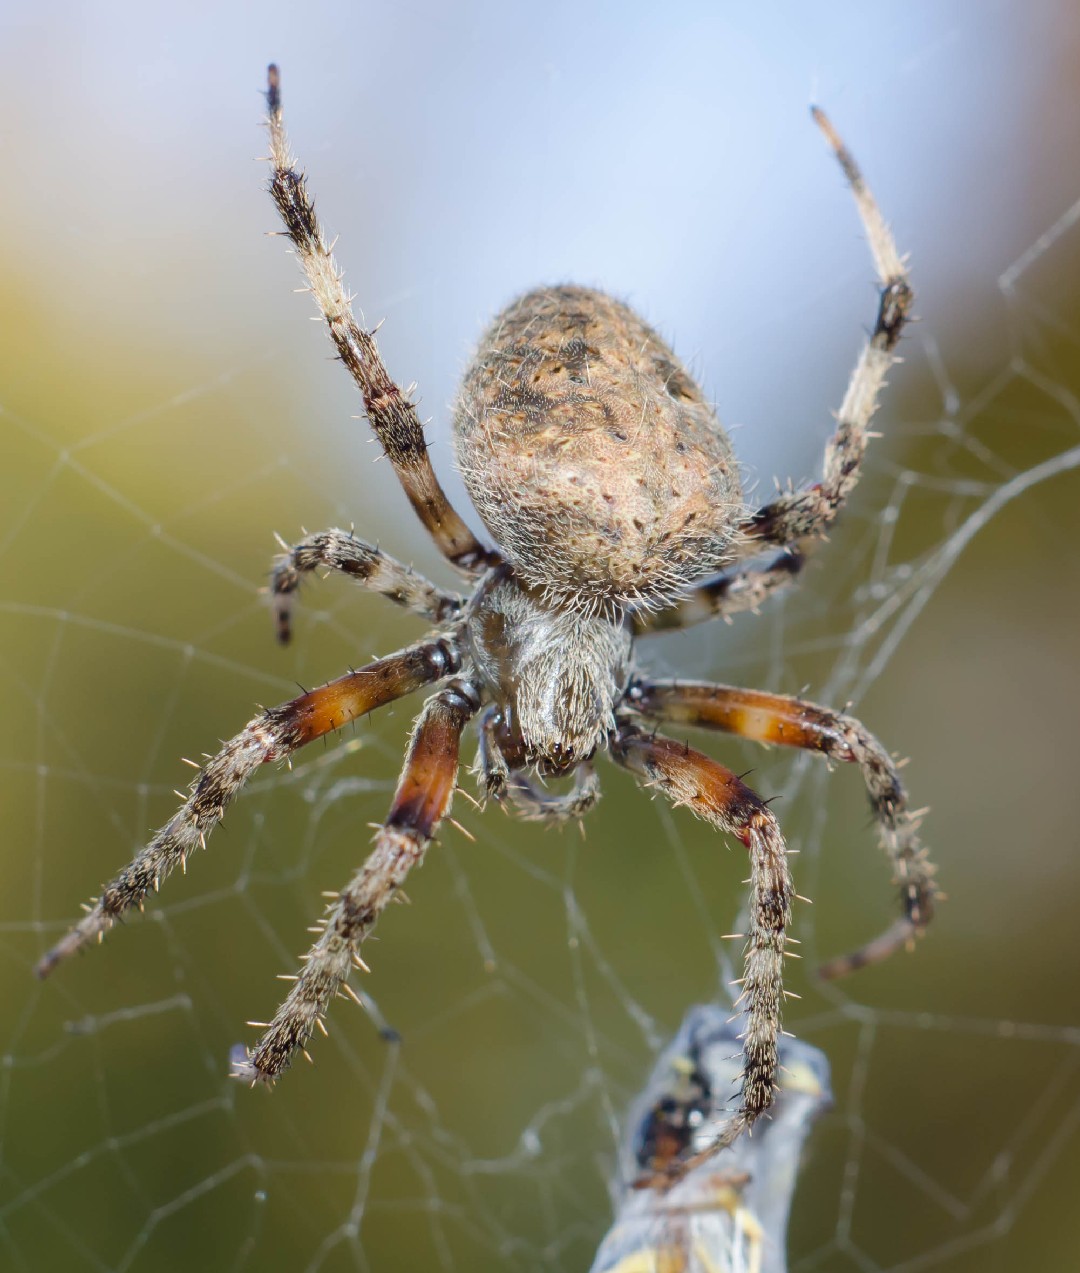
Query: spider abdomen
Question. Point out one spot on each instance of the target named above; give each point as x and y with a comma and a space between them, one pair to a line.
592, 457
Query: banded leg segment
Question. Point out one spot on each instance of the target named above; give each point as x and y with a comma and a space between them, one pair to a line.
801, 514
734, 591
777, 718
422, 800
273, 735
340, 550
689, 778
796, 519
393, 417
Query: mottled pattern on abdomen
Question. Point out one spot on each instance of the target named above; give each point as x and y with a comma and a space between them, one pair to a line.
594, 460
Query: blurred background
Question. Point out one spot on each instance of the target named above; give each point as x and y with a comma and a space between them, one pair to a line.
165, 405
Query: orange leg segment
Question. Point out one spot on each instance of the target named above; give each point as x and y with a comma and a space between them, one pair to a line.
688, 777
776, 718
423, 797
272, 735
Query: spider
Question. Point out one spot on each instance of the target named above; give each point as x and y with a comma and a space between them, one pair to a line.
613, 497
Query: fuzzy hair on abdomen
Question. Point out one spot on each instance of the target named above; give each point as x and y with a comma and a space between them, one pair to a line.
592, 457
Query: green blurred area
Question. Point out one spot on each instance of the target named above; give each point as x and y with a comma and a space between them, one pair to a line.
147, 459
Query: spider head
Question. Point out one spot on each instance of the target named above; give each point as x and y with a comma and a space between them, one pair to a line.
556, 674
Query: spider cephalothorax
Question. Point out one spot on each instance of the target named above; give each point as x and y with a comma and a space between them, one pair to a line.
613, 498
555, 675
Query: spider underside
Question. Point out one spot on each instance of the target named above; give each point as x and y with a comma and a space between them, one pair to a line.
613, 497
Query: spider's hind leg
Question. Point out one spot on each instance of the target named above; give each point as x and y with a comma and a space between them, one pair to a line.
340, 550
390, 410
733, 591
796, 519
809, 513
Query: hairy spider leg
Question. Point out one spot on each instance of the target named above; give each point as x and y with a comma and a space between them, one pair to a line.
688, 777
796, 519
365, 563
736, 590
392, 415
272, 735
422, 800
777, 718
800, 514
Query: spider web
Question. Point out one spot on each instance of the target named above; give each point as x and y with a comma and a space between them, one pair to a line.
164, 408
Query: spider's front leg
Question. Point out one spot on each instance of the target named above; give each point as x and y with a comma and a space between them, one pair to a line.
273, 735
712, 792
365, 563
422, 800
777, 718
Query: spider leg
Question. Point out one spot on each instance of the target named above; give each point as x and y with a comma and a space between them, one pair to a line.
339, 550
423, 797
273, 735
796, 519
776, 718
741, 588
795, 516
712, 792
392, 415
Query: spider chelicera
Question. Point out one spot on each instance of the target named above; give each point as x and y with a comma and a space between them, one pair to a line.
613, 497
